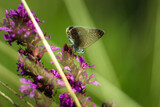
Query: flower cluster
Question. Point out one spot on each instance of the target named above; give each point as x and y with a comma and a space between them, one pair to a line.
75, 74
17, 23
43, 83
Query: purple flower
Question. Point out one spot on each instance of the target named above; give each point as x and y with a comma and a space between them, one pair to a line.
20, 28
39, 77
18, 25
55, 73
29, 88
49, 37
58, 56
51, 62
87, 80
21, 65
53, 48
6, 29
87, 100
77, 86
66, 68
65, 100
70, 78
83, 64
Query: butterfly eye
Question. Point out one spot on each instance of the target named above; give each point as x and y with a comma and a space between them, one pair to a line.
68, 30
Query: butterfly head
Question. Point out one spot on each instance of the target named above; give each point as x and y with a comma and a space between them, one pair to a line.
68, 30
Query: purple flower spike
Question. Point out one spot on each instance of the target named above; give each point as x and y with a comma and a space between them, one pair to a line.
18, 23
29, 88
19, 28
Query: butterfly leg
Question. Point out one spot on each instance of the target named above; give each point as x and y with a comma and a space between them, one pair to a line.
78, 49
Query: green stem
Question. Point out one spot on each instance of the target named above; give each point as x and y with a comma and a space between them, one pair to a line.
15, 93
9, 99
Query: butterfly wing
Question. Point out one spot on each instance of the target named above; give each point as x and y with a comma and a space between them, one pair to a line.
81, 37
84, 37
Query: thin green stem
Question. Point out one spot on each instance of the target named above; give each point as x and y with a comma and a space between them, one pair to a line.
15, 93
40, 33
9, 99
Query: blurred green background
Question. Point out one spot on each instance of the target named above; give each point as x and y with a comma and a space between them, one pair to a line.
127, 58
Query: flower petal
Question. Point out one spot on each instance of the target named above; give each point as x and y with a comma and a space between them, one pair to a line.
32, 93
66, 68
49, 36
61, 82
39, 77
88, 98
76, 58
91, 76
53, 48
6, 36
27, 34
91, 66
23, 88
58, 57
94, 82
6, 29
81, 60
51, 62
12, 12
25, 81
12, 24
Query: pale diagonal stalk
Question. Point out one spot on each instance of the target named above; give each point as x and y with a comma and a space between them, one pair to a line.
11, 90
51, 54
9, 99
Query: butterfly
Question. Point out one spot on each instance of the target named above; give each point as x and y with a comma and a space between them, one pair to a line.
82, 37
